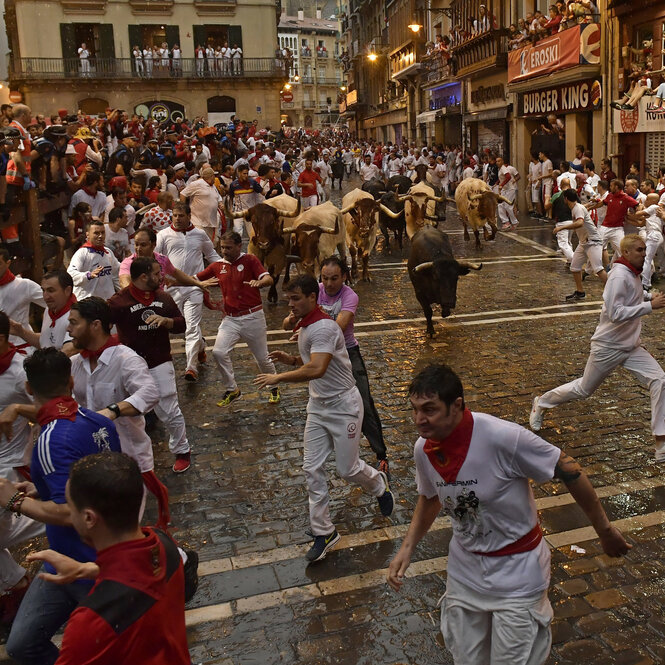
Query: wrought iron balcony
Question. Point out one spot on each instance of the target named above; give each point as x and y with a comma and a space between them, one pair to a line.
23, 69
439, 70
487, 50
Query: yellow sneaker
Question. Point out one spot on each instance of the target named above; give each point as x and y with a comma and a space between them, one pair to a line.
275, 397
229, 396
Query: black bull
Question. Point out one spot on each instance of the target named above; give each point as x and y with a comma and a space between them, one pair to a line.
434, 271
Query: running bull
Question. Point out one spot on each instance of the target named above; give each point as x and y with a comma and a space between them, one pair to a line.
434, 271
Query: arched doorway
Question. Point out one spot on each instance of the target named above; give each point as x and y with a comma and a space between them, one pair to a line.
220, 109
93, 105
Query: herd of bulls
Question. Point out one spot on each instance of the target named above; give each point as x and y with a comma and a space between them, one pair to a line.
281, 235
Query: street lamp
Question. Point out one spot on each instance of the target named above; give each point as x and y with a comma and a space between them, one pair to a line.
341, 87
372, 56
414, 27
287, 86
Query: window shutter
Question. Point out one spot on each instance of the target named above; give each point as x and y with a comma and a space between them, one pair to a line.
106, 43
69, 48
199, 32
235, 35
135, 37
173, 35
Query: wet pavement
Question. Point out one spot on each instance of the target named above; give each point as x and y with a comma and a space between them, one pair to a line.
243, 504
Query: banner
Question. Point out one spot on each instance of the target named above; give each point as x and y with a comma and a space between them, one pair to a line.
574, 46
568, 98
645, 118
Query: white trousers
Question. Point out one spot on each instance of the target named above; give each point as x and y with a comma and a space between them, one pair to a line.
654, 242
563, 240
612, 235
168, 409
486, 630
601, 363
308, 202
334, 425
14, 530
593, 254
251, 329
190, 302
507, 212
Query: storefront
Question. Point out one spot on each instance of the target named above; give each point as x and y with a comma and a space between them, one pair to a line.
442, 123
486, 114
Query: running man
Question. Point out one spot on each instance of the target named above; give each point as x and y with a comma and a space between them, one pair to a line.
616, 342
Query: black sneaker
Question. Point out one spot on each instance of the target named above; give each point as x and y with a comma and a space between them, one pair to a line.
191, 568
386, 500
383, 466
576, 295
321, 545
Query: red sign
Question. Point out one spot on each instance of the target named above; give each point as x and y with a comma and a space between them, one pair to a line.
15, 97
287, 96
574, 46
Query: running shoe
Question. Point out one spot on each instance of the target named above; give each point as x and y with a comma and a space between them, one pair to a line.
191, 375
191, 569
202, 357
576, 295
182, 462
506, 227
536, 415
384, 468
275, 397
229, 396
386, 500
321, 546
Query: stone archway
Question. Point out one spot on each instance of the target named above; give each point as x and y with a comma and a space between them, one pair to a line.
93, 105
220, 109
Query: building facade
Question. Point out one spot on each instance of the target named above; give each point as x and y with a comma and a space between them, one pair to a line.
46, 67
314, 68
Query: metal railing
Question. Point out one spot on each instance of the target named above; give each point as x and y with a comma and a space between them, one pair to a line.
129, 68
438, 68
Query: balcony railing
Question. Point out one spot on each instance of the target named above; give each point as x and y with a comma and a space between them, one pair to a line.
128, 68
438, 69
484, 51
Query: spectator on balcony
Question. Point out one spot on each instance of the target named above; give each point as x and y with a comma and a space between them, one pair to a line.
84, 56
210, 59
486, 21
200, 59
236, 55
147, 60
176, 55
553, 25
473, 27
137, 54
156, 55
226, 59
164, 56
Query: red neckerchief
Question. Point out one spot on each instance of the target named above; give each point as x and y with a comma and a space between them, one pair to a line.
7, 357
58, 408
54, 316
447, 456
97, 250
7, 277
89, 192
317, 314
189, 228
111, 341
628, 265
144, 297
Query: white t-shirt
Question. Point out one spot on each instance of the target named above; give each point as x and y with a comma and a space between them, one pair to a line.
491, 505
571, 178
15, 299
367, 172
507, 170
602, 211
117, 242
204, 200
653, 222
546, 167
467, 173
588, 232
84, 261
12, 391
325, 336
55, 335
535, 171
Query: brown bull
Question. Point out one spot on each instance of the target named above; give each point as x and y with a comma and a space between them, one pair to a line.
267, 240
420, 207
306, 246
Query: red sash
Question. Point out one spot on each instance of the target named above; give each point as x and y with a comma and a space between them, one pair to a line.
529, 541
7, 357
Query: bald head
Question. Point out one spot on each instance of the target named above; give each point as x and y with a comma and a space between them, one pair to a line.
22, 113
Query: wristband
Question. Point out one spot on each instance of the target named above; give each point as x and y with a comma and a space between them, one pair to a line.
88, 275
18, 496
115, 409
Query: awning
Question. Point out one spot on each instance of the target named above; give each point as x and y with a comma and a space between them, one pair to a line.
427, 116
493, 114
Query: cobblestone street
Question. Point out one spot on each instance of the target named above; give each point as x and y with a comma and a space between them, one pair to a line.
243, 504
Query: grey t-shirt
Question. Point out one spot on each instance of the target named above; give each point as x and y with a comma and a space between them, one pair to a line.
325, 336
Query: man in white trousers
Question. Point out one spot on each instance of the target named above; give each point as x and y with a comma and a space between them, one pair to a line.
477, 468
240, 277
186, 247
334, 412
616, 342
508, 178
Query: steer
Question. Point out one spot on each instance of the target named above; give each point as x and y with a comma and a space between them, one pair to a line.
376, 187
434, 271
360, 212
419, 208
476, 205
389, 223
266, 240
315, 235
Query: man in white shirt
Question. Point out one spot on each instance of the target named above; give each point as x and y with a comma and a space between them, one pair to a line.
394, 165
236, 55
534, 190
226, 59
546, 179
204, 202
16, 295
147, 59
324, 169
186, 247
94, 268
369, 170
176, 54
58, 290
91, 195
616, 342
477, 468
508, 178
84, 56
138, 60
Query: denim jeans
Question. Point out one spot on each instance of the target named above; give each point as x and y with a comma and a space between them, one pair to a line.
371, 427
45, 608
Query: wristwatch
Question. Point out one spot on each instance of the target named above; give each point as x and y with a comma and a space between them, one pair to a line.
115, 408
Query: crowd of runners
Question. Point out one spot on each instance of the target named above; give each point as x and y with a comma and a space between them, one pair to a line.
149, 240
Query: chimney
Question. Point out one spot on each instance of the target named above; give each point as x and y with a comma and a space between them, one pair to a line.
301, 14
318, 12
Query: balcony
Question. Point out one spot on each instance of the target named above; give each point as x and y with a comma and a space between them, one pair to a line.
322, 54
307, 80
439, 70
488, 50
54, 69
155, 7
308, 104
212, 7
407, 60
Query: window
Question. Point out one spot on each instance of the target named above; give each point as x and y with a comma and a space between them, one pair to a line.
153, 35
98, 38
216, 35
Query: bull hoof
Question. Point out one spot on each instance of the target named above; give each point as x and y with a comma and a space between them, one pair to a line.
485, 234
467, 237
430, 332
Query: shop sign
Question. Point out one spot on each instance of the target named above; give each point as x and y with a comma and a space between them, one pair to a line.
351, 97
161, 111
644, 118
487, 94
579, 45
569, 98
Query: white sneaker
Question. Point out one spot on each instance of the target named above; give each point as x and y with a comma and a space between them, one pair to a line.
536, 416
660, 452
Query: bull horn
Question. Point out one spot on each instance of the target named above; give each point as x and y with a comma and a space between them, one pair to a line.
474, 197
288, 229
238, 215
470, 265
404, 197
389, 212
424, 266
438, 199
348, 209
293, 258
327, 229
503, 199
286, 213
